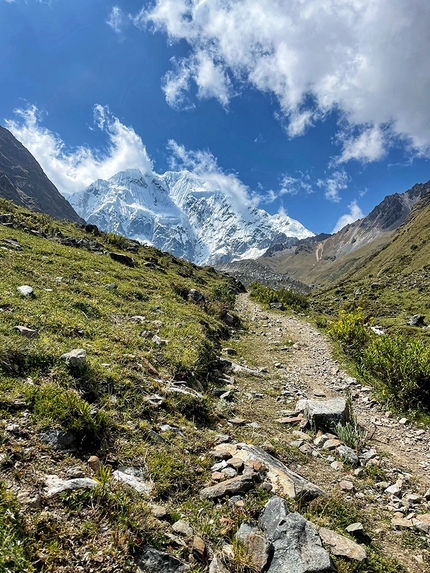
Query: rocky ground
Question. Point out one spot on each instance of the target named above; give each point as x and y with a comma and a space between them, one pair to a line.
292, 360
373, 501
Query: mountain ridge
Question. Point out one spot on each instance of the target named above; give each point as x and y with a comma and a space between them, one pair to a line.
23, 181
183, 213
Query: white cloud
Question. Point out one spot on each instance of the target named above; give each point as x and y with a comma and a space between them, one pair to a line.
205, 165
117, 20
367, 60
73, 169
333, 184
294, 185
370, 145
354, 213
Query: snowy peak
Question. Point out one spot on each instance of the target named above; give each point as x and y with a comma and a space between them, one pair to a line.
187, 215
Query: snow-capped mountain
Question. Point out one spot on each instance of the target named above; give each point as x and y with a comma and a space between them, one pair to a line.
183, 214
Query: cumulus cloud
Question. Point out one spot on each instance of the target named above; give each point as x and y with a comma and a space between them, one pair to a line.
74, 169
367, 60
205, 165
370, 145
354, 213
333, 184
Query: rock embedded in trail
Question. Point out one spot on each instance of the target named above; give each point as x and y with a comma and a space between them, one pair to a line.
283, 480
323, 413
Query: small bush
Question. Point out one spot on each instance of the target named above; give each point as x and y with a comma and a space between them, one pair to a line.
402, 369
290, 298
352, 333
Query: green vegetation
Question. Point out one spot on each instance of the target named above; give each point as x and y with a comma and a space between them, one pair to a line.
82, 298
288, 298
398, 366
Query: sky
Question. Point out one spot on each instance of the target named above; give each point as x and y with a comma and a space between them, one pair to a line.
314, 108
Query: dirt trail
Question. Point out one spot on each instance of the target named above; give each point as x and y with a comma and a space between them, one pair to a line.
302, 359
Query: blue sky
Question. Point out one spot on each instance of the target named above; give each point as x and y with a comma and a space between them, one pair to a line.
319, 108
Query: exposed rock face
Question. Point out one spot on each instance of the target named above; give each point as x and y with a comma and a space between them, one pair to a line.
23, 181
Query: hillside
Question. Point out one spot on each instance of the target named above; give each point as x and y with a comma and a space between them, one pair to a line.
392, 284
332, 258
150, 423
23, 181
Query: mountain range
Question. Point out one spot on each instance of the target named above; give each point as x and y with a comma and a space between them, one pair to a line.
184, 214
324, 259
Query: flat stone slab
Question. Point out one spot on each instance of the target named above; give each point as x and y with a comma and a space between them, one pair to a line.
233, 486
139, 485
284, 481
341, 545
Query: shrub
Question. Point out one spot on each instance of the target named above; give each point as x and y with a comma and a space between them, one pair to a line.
401, 367
352, 333
290, 298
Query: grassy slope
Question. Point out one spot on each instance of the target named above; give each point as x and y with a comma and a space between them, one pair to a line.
104, 405
305, 267
392, 284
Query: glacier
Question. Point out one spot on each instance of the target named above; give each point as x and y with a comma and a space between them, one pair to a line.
185, 214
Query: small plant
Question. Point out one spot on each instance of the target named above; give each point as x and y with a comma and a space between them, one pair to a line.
243, 560
351, 433
104, 475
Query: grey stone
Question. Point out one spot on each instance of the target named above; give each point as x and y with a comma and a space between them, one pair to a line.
183, 527
75, 358
154, 561
159, 341
348, 454
324, 413
416, 320
123, 259
25, 290
369, 455
196, 296
58, 439
27, 332
57, 485
217, 565
284, 481
342, 546
133, 481
277, 305
233, 486
256, 545
296, 544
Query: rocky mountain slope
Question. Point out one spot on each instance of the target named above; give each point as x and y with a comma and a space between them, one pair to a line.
23, 181
324, 259
183, 214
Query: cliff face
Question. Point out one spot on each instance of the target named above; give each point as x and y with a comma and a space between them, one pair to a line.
23, 181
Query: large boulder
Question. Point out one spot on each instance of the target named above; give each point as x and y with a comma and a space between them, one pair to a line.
297, 547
